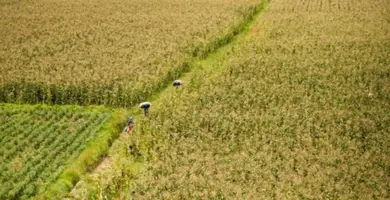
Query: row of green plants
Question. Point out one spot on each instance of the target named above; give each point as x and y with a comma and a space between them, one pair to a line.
93, 153
41, 143
42, 168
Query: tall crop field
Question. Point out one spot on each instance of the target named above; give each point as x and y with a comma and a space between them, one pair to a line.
37, 143
300, 110
106, 52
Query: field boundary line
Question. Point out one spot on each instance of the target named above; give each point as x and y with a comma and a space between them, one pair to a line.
52, 94
195, 64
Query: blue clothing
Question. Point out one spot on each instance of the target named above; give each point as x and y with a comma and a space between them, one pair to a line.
130, 121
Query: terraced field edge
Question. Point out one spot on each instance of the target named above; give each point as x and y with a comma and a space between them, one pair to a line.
112, 94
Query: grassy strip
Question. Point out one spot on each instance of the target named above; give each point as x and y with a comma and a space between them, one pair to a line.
249, 17
112, 94
126, 170
87, 159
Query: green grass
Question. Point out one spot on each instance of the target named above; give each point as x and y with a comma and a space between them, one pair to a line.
90, 187
294, 106
296, 110
65, 178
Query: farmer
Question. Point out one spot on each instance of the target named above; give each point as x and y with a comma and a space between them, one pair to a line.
177, 83
145, 106
130, 124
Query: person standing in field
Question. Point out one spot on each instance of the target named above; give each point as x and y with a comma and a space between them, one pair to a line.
145, 106
177, 83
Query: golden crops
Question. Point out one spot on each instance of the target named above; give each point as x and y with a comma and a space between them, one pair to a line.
296, 108
298, 111
106, 52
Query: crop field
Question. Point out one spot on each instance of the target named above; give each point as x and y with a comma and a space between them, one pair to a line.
298, 110
288, 103
106, 52
37, 143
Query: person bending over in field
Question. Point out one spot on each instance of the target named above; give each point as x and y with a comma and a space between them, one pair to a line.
145, 106
177, 83
130, 124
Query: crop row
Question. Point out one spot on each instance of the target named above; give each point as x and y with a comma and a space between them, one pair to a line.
34, 153
326, 5
105, 55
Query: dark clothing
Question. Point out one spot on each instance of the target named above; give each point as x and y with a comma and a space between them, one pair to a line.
146, 111
145, 106
177, 83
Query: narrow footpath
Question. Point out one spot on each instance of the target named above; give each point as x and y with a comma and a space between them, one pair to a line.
198, 65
